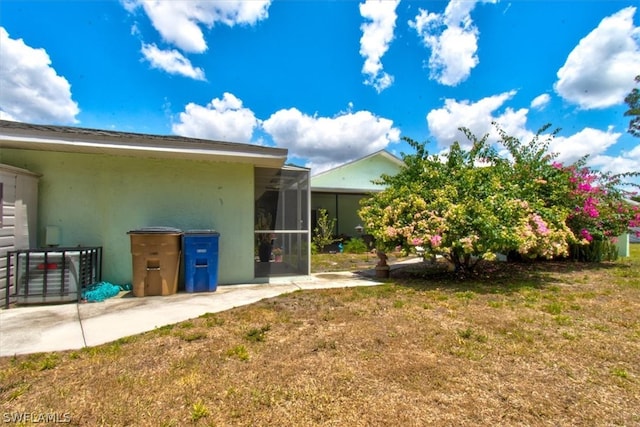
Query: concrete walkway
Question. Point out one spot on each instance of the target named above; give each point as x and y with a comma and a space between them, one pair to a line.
33, 329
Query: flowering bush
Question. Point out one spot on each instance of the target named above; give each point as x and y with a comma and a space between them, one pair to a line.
598, 208
471, 205
599, 211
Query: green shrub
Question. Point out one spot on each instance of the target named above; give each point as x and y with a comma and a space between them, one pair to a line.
595, 251
355, 246
323, 233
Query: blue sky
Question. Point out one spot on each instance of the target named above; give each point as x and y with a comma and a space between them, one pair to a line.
329, 80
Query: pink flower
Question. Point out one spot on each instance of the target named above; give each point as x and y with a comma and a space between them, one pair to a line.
417, 241
436, 240
590, 207
541, 225
592, 212
585, 233
584, 186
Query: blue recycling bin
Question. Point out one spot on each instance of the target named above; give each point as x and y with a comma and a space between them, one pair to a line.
200, 248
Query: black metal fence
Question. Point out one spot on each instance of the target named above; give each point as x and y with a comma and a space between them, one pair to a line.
51, 275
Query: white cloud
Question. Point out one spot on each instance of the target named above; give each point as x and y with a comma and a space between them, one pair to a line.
452, 39
626, 161
377, 34
477, 116
31, 90
171, 61
634, 153
222, 119
323, 141
599, 72
541, 101
444, 122
588, 141
328, 141
179, 22
616, 165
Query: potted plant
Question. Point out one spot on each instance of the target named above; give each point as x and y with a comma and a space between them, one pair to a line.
277, 254
265, 240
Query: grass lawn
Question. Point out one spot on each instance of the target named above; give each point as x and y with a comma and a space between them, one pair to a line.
551, 343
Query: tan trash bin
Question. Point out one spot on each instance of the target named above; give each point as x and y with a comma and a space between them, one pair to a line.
155, 253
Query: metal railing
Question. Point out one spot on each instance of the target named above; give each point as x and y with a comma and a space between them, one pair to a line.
47, 275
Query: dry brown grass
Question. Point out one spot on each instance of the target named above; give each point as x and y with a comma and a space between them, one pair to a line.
539, 344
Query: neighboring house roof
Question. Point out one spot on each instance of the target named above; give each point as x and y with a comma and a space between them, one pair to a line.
80, 140
356, 176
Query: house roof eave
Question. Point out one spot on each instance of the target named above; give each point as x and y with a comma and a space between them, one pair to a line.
90, 141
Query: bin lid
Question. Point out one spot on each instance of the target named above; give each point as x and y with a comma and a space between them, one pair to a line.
156, 230
202, 232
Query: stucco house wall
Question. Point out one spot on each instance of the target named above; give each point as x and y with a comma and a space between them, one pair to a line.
95, 186
357, 176
96, 199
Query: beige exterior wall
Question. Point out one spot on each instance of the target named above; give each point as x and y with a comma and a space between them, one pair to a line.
95, 199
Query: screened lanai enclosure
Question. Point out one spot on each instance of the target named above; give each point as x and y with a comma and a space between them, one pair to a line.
282, 233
